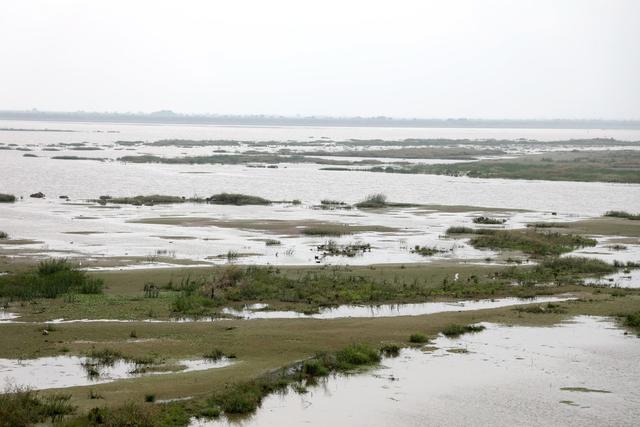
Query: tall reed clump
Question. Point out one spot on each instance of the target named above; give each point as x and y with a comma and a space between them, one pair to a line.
49, 279
378, 200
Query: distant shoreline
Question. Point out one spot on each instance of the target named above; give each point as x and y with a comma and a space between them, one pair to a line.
167, 117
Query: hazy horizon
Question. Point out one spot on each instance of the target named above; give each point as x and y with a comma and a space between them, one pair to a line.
493, 59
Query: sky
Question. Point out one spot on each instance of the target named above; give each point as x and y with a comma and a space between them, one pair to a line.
532, 59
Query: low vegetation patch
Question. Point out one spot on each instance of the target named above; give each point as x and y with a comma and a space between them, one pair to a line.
24, 407
153, 199
632, 320
454, 331
488, 220
531, 241
603, 166
390, 350
331, 248
245, 398
541, 309
548, 225
7, 198
374, 201
426, 251
237, 199
49, 279
418, 338
327, 230
623, 214
460, 230
559, 270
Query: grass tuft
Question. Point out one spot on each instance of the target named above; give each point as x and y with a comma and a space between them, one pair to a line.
453, 331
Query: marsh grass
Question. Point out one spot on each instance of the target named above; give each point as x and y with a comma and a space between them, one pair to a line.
237, 199
105, 356
153, 199
632, 320
313, 289
246, 397
454, 331
548, 225
488, 220
541, 309
327, 230
378, 200
23, 407
602, 166
559, 270
623, 214
530, 241
214, 355
331, 248
426, 251
7, 198
49, 279
460, 230
390, 350
418, 339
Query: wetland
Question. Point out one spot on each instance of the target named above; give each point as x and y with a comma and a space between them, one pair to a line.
185, 275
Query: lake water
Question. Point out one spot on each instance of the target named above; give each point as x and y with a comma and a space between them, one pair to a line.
583, 373
80, 229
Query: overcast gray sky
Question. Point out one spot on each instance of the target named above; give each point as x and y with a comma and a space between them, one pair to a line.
447, 58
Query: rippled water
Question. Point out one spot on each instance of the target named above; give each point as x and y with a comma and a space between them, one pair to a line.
581, 373
393, 310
